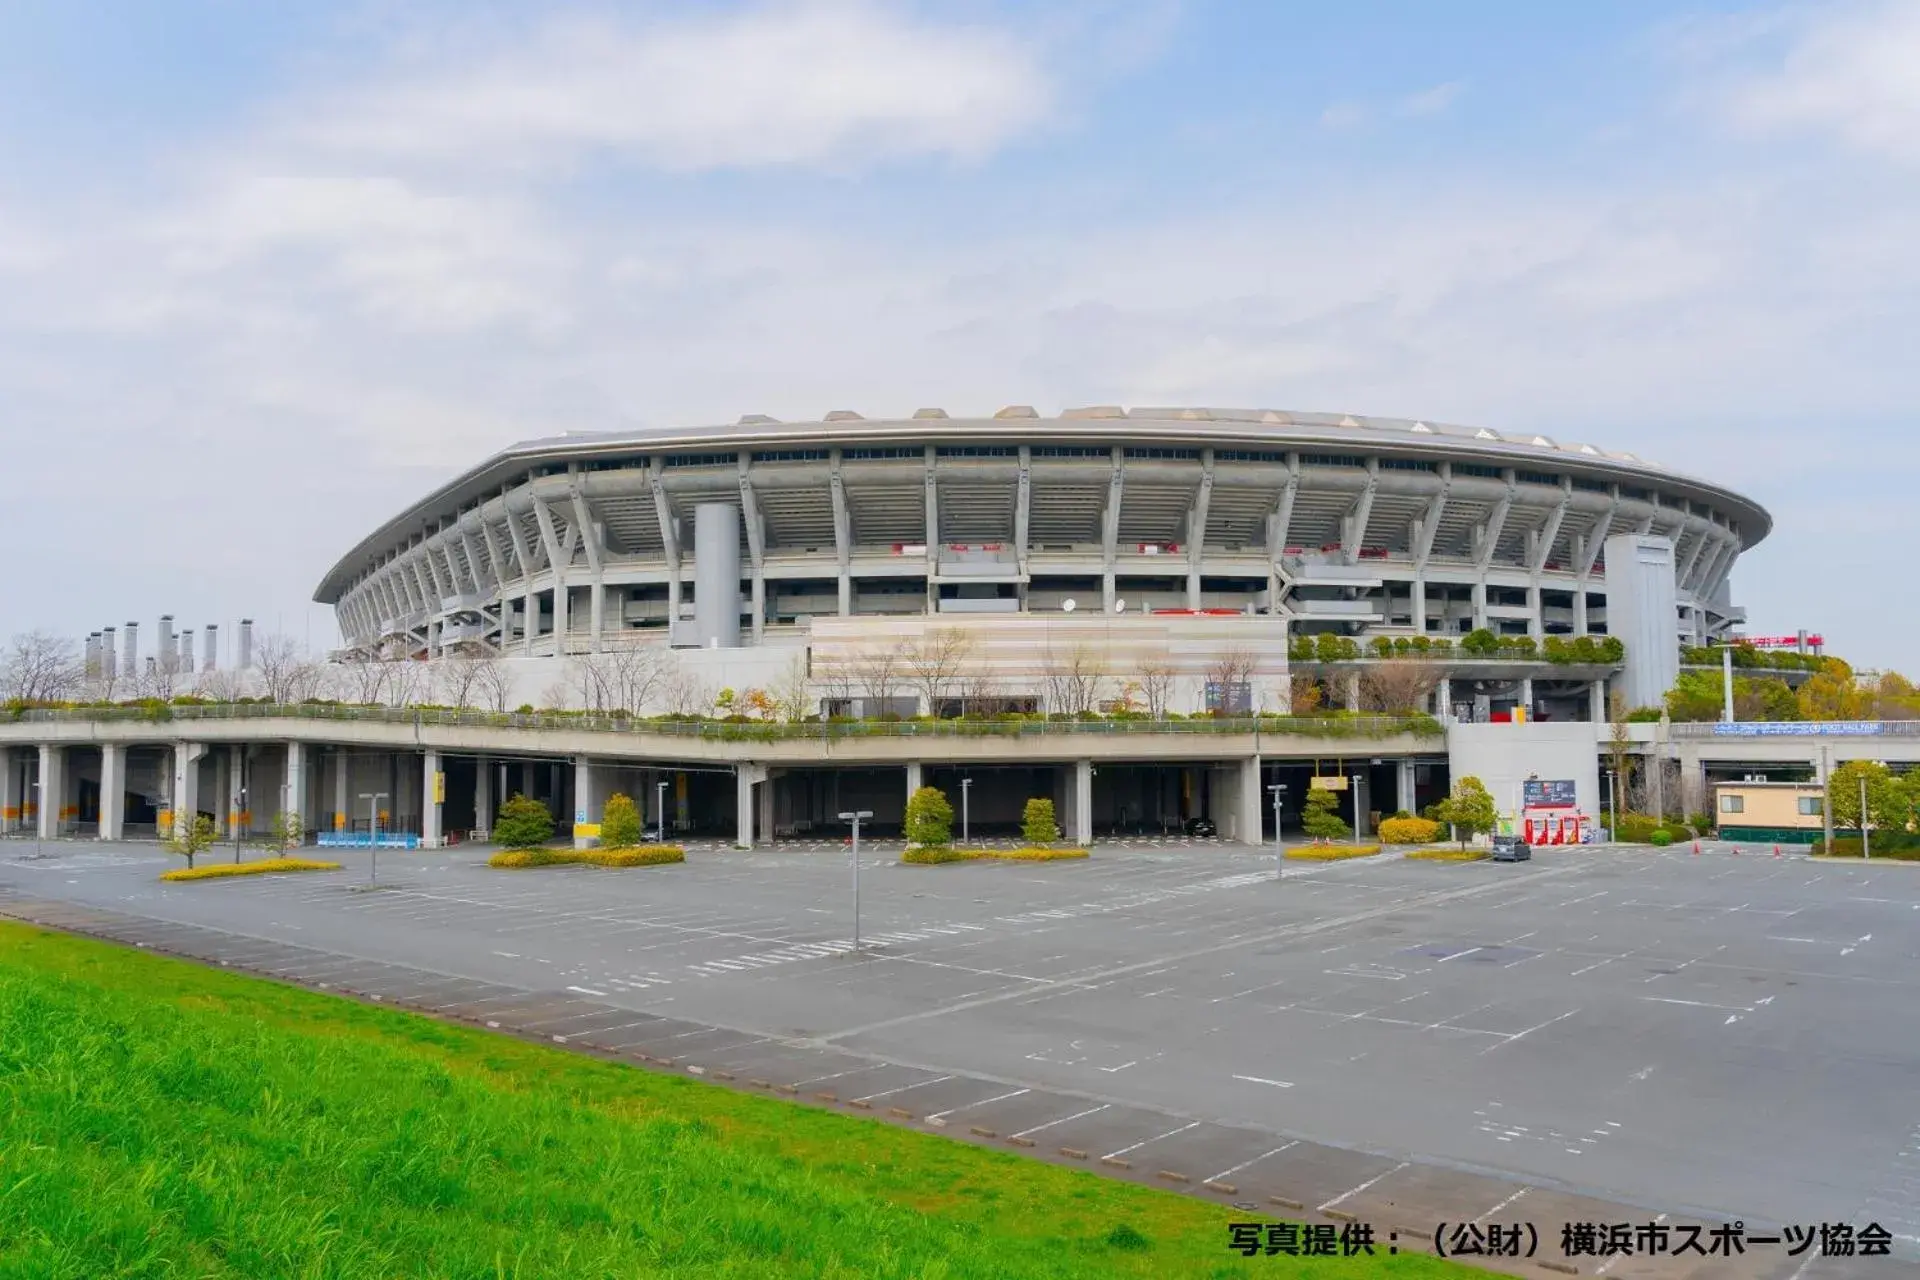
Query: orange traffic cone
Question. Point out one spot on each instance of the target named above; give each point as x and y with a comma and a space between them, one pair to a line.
1736, 851
1776, 851
1696, 846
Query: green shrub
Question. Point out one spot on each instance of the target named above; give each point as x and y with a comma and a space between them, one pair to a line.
523, 823
1322, 819
1037, 825
929, 817
929, 854
1448, 855
619, 823
1660, 838
1408, 830
1635, 828
645, 855
1332, 852
1468, 809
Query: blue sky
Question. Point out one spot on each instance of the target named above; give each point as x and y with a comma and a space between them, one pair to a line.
266, 272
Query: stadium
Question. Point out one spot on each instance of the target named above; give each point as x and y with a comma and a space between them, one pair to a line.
1155, 526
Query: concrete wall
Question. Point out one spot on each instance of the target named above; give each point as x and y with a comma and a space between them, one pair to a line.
1505, 755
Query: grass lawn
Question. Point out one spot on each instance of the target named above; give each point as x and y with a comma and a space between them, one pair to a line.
162, 1119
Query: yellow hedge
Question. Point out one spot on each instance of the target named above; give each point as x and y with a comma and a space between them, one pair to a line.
1332, 852
264, 866
1034, 853
1448, 855
644, 855
928, 855
1409, 830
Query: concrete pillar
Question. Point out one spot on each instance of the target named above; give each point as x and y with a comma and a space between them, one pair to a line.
236, 791
433, 792
482, 798
293, 788
1526, 696
1083, 802
526, 778
743, 807
1597, 702
562, 612
53, 788
597, 613
765, 805
186, 781
342, 766
1252, 801
1444, 697
846, 593
1480, 604
914, 778
586, 808
9, 791
1536, 608
1580, 609
716, 574
113, 790
1405, 793
530, 618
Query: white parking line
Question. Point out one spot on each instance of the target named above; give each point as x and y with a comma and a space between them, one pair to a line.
1362, 1187
1250, 1163
888, 1093
941, 1115
1503, 1204
1063, 1119
1144, 1141
1278, 1084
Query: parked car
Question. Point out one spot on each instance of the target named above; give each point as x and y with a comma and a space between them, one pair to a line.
1201, 827
1511, 849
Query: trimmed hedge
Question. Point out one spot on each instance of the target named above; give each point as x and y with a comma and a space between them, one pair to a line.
1409, 830
1033, 853
643, 855
1892, 846
1332, 852
264, 866
929, 855
1449, 855
1660, 838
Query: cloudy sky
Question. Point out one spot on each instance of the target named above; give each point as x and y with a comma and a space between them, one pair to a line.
267, 272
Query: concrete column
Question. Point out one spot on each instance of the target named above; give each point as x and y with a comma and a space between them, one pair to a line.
530, 625
1536, 622
743, 807
1444, 694
342, 766
186, 781
1597, 701
1480, 604
1419, 604
526, 778
562, 612
113, 790
10, 803
237, 798
596, 612
846, 593
432, 792
1526, 696
1580, 609
914, 776
586, 809
482, 798
1083, 802
1252, 799
766, 818
716, 569
1405, 794
293, 788
53, 788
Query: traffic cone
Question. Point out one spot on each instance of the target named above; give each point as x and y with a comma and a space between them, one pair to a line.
1736, 851
1696, 847
1776, 851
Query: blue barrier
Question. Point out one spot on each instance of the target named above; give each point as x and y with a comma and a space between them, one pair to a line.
364, 840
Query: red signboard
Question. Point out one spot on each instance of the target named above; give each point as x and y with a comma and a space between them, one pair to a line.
1780, 642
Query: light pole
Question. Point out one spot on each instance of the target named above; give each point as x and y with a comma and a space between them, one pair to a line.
242, 798
1612, 821
1866, 849
373, 799
854, 817
1278, 790
1355, 782
660, 809
38, 797
965, 784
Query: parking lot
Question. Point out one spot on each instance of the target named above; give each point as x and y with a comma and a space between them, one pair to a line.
1689, 1034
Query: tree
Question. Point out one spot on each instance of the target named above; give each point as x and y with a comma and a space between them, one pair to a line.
1304, 695
523, 824
492, 682
1398, 686
878, 671
361, 680
1895, 698
1156, 676
41, 667
1228, 675
460, 681
1887, 801
619, 823
1832, 694
1619, 748
1073, 681
929, 817
934, 662
287, 674
1037, 825
1468, 809
789, 691
288, 831
1321, 818
191, 838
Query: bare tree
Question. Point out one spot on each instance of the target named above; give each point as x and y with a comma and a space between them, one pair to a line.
287, 674
407, 683
934, 662
492, 681
1073, 681
1304, 696
361, 680
1228, 680
1155, 678
789, 691
835, 679
684, 693
41, 667
223, 684
459, 681
1397, 686
1619, 748
159, 680
878, 671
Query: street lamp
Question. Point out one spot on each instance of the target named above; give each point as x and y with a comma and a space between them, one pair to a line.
373, 799
1355, 780
965, 784
1278, 790
1866, 849
241, 800
660, 809
855, 817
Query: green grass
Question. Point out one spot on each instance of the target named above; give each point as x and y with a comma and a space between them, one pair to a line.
162, 1119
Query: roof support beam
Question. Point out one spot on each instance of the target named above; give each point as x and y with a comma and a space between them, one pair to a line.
1495, 526
756, 544
1549, 533
1197, 527
1426, 525
1282, 518
669, 540
1354, 532
1596, 539
842, 532
933, 533
589, 537
1110, 530
1023, 513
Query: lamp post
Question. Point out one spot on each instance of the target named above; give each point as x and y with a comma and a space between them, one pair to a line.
855, 817
1612, 820
1866, 849
660, 809
373, 799
1354, 781
1278, 790
241, 797
965, 785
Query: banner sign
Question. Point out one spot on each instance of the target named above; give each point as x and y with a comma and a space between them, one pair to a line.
1800, 729
1557, 794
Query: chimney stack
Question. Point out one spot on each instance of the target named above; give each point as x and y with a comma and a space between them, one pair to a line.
245, 662
165, 644
185, 664
93, 655
132, 663
108, 657
212, 643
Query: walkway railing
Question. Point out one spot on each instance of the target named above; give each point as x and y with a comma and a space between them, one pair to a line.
1800, 729
1335, 726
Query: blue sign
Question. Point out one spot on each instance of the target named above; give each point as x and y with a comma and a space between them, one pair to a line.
362, 839
1557, 794
1800, 729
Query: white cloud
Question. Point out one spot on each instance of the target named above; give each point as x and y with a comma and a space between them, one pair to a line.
1852, 71
829, 83
1431, 101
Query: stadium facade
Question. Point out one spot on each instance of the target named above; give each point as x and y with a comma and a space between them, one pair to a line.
1153, 526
